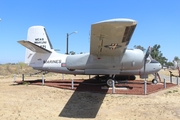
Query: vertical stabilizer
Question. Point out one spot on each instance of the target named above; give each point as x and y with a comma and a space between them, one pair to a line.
38, 36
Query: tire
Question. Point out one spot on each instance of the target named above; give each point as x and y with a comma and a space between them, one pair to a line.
154, 81
110, 82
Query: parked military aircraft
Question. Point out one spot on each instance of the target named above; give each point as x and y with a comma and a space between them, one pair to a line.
108, 52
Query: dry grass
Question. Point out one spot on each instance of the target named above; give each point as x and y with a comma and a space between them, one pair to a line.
28, 102
21, 68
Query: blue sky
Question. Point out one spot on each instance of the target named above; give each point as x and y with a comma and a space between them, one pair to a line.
158, 23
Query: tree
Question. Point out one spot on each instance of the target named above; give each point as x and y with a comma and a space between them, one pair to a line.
157, 55
139, 47
72, 53
176, 58
169, 64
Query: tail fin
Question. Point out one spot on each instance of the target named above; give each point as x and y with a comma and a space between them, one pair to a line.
38, 36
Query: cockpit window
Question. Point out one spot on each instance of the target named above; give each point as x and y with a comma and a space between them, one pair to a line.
147, 61
154, 61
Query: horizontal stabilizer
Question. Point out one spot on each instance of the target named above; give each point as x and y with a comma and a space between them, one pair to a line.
33, 47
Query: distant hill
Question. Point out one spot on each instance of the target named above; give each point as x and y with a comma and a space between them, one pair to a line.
19, 68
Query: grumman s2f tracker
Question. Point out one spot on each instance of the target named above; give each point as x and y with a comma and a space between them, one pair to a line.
108, 53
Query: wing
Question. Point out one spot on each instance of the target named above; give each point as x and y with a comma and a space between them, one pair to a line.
111, 37
33, 47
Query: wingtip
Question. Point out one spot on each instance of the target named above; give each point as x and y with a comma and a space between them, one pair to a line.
122, 20
19, 41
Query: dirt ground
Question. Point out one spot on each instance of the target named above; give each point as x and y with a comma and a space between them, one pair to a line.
20, 102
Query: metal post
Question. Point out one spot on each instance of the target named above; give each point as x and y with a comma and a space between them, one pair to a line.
177, 81
67, 43
170, 78
67, 39
42, 79
164, 83
72, 84
23, 77
113, 87
14, 77
145, 87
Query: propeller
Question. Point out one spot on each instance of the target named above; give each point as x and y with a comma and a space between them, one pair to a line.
148, 52
145, 60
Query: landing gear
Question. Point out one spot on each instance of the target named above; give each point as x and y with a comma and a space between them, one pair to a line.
110, 82
154, 81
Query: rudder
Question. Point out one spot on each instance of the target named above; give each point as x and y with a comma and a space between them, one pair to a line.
38, 36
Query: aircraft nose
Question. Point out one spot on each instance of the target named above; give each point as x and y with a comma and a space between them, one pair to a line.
159, 66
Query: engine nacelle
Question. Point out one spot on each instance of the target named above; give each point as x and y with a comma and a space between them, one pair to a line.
131, 60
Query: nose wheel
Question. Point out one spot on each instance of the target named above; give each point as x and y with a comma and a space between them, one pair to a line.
154, 81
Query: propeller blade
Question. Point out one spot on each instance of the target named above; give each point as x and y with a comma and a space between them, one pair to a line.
148, 52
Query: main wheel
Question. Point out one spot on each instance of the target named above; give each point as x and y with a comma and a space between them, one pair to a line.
110, 82
154, 81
